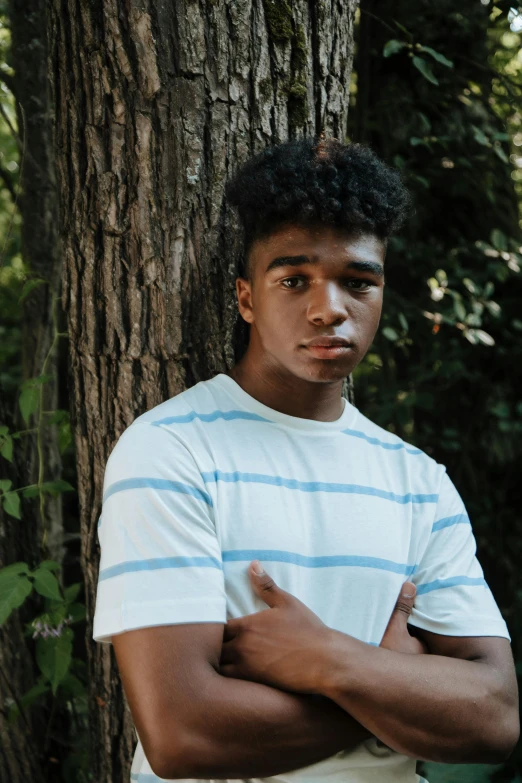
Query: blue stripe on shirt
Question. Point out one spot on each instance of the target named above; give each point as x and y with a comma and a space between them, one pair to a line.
383, 444
321, 561
458, 519
453, 581
314, 486
267, 555
157, 483
208, 417
157, 563
247, 415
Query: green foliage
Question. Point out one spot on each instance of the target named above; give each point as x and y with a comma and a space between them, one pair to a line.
445, 370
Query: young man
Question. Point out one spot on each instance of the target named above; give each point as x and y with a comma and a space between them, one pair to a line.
315, 676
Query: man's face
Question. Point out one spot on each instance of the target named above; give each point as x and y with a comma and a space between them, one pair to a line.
314, 300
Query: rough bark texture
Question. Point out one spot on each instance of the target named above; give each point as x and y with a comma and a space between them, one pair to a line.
156, 104
22, 742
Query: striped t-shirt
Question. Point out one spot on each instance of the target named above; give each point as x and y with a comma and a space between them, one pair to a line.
341, 513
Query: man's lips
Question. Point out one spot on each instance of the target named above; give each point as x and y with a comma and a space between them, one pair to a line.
328, 347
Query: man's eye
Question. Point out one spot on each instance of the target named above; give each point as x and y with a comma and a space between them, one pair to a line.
292, 282
360, 285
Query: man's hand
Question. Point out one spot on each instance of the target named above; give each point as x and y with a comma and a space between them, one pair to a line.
278, 646
281, 646
396, 636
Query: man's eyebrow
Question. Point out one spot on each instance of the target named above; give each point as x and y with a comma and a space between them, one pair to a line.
288, 261
360, 266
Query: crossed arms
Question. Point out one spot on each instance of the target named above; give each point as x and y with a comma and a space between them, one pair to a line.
240, 709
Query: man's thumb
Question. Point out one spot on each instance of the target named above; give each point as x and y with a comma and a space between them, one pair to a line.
264, 586
404, 603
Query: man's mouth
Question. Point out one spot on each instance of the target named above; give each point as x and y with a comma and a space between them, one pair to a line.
328, 347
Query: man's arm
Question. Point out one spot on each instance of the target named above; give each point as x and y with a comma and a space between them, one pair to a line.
195, 723
457, 705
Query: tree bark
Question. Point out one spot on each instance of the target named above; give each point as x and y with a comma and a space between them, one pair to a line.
155, 105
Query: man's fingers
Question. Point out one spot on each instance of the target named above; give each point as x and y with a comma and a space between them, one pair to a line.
231, 629
405, 602
265, 587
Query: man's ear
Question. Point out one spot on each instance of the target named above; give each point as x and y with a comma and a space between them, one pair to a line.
244, 299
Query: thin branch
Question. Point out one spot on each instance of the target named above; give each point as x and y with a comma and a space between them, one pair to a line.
378, 19
10, 125
8, 80
8, 182
22, 161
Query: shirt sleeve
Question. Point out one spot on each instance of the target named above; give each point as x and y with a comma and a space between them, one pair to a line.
453, 598
161, 559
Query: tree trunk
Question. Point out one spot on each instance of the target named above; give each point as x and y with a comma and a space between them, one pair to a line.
22, 742
156, 104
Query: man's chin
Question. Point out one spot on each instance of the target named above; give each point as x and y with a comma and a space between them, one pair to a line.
326, 371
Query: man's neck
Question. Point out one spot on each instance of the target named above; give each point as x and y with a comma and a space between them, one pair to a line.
288, 394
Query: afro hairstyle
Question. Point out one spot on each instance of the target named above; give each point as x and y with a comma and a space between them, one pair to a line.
317, 181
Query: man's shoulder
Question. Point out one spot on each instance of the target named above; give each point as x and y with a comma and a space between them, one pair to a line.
388, 445
165, 425
188, 405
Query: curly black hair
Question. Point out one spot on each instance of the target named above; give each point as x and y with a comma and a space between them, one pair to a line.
317, 181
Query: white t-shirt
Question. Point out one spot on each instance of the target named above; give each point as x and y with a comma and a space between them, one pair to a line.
340, 513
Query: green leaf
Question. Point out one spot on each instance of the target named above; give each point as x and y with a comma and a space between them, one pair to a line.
54, 488
5, 485
46, 584
14, 589
28, 402
29, 286
498, 239
392, 47
77, 612
470, 285
478, 336
38, 381
72, 591
403, 322
3, 430
390, 333
436, 56
484, 337
61, 419
501, 410
72, 688
64, 436
480, 137
28, 699
11, 504
30, 492
6, 447
51, 565
494, 308
425, 68
13, 569
53, 656
442, 277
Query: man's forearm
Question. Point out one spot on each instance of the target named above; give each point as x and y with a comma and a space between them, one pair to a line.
242, 729
429, 707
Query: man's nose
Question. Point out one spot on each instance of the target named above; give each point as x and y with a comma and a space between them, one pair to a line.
327, 306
